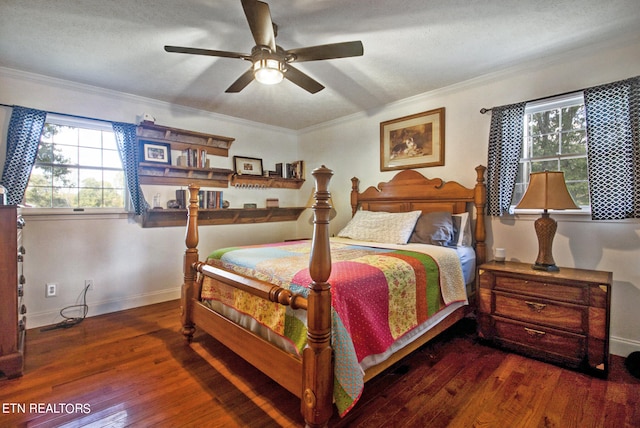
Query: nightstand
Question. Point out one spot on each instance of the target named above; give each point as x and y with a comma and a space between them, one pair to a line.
559, 317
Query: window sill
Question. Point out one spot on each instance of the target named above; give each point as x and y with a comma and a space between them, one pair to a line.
70, 214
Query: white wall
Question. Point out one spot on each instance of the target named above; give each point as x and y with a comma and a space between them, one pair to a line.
611, 246
131, 266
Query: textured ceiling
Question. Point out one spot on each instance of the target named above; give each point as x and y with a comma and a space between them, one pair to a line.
410, 47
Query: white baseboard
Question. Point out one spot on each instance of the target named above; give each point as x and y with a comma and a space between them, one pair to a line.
622, 347
39, 319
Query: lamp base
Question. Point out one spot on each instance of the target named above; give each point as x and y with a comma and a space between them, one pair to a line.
545, 267
545, 230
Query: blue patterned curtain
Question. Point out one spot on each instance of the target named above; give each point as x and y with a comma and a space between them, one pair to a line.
613, 135
125, 134
505, 148
23, 138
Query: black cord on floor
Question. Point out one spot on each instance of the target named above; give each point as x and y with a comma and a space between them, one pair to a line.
69, 322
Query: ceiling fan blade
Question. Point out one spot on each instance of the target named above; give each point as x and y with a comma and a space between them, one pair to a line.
330, 51
207, 52
241, 82
259, 18
302, 80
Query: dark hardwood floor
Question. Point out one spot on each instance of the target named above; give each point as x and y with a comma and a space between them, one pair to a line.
133, 368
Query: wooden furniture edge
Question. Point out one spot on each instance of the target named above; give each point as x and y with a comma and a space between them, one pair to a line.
434, 194
316, 388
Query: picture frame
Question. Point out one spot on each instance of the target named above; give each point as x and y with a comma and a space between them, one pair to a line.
155, 152
247, 166
414, 141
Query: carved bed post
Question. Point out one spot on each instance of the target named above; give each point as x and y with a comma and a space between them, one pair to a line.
355, 184
317, 360
190, 257
480, 200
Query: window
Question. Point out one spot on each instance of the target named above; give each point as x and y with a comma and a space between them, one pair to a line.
77, 166
555, 139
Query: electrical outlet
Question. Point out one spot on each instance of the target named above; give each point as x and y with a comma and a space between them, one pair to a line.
88, 284
51, 290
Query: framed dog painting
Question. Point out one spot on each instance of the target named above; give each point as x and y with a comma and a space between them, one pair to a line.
414, 141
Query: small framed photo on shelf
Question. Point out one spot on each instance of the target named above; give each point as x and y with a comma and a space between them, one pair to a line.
155, 152
247, 166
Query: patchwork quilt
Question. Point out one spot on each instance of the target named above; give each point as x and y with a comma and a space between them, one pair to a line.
378, 295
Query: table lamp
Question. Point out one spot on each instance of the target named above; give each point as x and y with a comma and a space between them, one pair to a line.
546, 191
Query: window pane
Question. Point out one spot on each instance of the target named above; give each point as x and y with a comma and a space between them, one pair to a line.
544, 166
65, 177
90, 138
90, 178
65, 135
109, 141
113, 198
555, 140
573, 118
90, 197
111, 159
64, 197
90, 157
545, 122
574, 143
68, 172
545, 145
574, 169
113, 179
63, 154
45, 152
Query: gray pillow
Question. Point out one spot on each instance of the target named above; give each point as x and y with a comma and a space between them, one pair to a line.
433, 228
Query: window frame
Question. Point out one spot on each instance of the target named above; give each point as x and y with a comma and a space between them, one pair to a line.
538, 106
86, 123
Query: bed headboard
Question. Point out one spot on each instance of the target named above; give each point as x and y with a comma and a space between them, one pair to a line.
410, 191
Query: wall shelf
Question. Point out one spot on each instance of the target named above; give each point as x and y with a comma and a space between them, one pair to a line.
181, 139
151, 173
257, 181
190, 143
178, 217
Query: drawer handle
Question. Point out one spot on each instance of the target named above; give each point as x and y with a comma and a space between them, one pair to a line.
538, 307
534, 333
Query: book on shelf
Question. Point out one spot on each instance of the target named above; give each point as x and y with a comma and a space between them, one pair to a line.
210, 199
194, 158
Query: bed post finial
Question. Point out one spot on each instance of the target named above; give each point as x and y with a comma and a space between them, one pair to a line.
317, 363
190, 257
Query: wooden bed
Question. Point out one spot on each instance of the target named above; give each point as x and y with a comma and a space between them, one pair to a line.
311, 376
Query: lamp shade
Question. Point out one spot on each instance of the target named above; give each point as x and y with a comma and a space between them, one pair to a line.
547, 190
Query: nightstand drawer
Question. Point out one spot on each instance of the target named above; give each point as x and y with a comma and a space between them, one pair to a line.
543, 312
564, 292
540, 341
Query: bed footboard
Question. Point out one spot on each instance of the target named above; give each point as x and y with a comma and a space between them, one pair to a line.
317, 359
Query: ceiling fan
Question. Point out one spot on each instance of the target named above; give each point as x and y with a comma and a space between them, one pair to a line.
271, 63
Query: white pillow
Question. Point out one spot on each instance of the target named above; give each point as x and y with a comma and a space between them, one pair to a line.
378, 226
463, 237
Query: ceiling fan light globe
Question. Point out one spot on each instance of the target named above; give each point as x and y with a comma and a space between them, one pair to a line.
268, 71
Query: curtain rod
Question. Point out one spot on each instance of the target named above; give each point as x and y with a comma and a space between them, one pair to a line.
486, 110
66, 114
